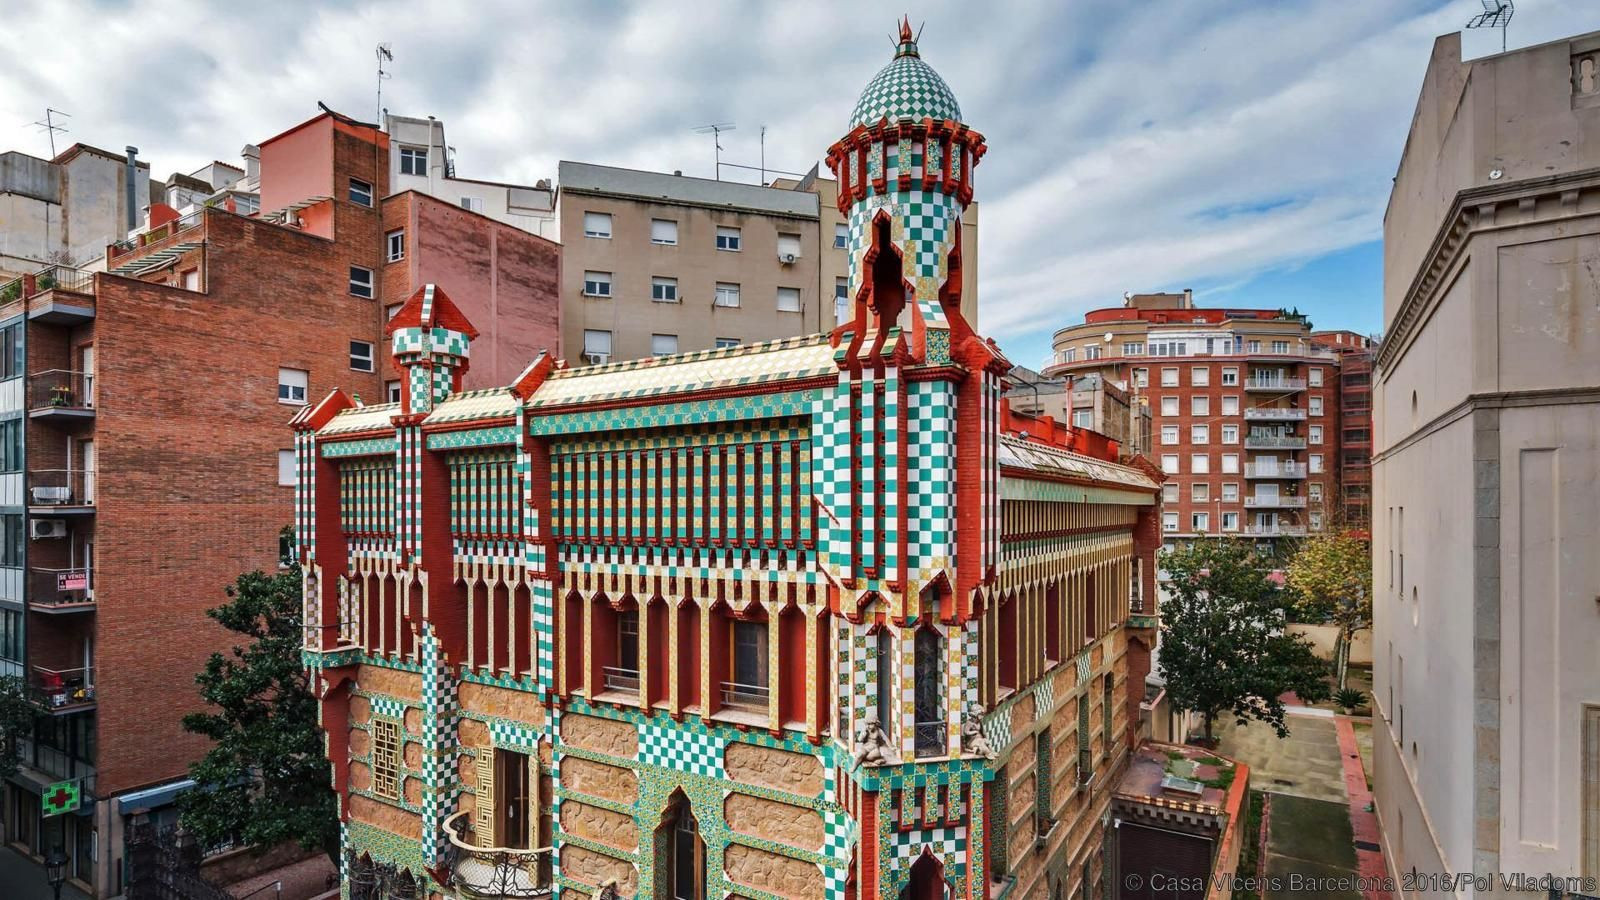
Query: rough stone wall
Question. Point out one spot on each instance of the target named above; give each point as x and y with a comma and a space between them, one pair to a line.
589, 867
770, 872
769, 767
393, 682
606, 736
599, 780
778, 822
603, 826
392, 819
504, 703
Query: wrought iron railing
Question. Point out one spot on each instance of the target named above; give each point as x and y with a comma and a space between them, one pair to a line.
1273, 442
495, 871
1275, 384
1274, 412
61, 487
64, 278
753, 697
59, 587
61, 389
1278, 470
619, 679
63, 688
932, 739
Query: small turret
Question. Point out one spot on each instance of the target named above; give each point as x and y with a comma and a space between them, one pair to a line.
431, 342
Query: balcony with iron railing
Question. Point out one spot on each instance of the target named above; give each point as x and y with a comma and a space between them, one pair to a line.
61, 396
158, 246
60, 590
932, 739
61, 492
1273, 442
619, 679
746, 697
509, 872
1267, 501
63, 690
58, 295
1279, 530
1286, 385
1274, 470
1274, 414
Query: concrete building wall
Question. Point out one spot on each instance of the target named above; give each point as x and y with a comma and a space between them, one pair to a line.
530, 208
1487, 445
94, 202
632, 317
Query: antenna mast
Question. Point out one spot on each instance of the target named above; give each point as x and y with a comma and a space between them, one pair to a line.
49, 126
1496, 14
716, 130
385, 55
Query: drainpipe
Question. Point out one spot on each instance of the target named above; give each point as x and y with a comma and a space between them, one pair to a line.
132, 188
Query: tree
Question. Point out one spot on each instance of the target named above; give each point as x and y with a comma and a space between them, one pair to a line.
1331, 576
17, 712
1224, 646
266, 779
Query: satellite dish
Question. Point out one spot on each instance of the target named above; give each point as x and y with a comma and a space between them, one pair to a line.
1108, 337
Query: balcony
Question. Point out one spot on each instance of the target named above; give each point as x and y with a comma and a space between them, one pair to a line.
1285, 385
63, 691
1275, 530
932, 739
61, 492
748, 697
1273, 442
158, 247
1274, 470
492, 871
59, 295
1262, 501
61, 396
617, 679
60, 590
1274, 414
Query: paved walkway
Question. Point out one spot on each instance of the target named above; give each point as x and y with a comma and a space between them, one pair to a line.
1305, 764
23, 879
1363, 822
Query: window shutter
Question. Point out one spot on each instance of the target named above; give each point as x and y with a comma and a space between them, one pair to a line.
483, 818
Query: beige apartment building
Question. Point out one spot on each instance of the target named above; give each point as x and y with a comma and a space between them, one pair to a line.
1486, 458
654, 264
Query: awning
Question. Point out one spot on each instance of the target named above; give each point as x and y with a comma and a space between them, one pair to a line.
152, 798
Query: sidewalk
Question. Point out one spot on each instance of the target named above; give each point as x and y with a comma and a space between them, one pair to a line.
1369, 849
22, 879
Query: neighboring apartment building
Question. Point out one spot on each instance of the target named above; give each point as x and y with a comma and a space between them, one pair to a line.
142, 417
812, 617
658, 264
66, 210
1355, 423
1244, 409
1486, 749
421, 160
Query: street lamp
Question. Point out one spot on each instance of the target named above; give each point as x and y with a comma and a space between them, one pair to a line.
55, 870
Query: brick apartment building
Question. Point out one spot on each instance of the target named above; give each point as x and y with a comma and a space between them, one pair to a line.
1244, 410
142, 414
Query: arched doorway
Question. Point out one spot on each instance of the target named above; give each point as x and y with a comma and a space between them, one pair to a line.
681, 853
927, 880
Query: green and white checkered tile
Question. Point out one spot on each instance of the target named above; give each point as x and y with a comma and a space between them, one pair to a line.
907, 86
1083, 667
946, 843
681, 748
513, 735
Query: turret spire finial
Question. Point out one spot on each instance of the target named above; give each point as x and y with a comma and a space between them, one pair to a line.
908, 40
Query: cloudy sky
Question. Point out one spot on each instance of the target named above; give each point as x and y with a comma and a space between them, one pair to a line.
1244, 149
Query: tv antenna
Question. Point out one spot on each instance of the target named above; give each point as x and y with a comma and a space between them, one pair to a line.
1496, 14
48, 125
716, 131
385, 54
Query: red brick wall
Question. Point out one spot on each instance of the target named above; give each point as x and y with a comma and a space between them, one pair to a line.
187, 433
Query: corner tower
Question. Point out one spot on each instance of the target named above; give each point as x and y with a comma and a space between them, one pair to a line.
905, 177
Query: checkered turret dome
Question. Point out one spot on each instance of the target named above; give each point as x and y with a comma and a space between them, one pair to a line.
906, 87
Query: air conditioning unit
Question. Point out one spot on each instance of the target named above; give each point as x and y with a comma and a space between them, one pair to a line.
596, 359
52, 494
47, 528
786, 258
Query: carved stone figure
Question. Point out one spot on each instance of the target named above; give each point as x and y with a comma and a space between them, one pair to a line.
871, 744
972, 737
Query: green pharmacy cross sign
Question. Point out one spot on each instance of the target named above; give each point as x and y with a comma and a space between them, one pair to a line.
61, 797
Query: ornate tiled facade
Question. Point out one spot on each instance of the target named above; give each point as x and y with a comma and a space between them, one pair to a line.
785, 620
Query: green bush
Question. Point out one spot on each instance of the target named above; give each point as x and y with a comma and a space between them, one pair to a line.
1350, 698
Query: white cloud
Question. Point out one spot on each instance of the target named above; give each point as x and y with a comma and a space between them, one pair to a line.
1132, 145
